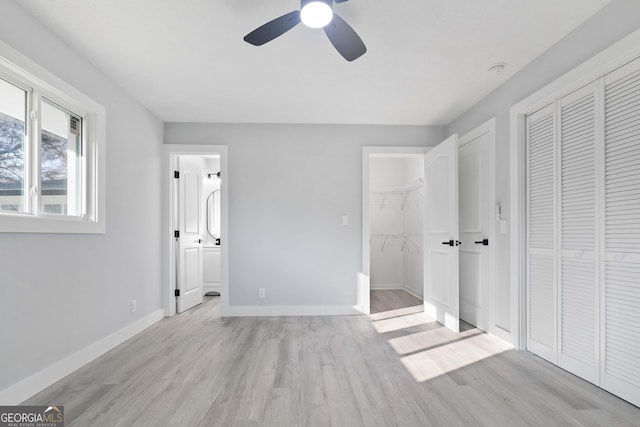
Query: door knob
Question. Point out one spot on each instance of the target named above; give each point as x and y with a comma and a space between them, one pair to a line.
197, 241
483, 242
452, 243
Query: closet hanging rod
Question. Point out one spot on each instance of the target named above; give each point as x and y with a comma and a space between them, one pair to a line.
409, 238
401, 191
398, 236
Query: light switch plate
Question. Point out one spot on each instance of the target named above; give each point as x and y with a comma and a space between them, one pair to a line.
345, 220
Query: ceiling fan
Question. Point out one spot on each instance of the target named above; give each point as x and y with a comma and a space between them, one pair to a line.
314, 14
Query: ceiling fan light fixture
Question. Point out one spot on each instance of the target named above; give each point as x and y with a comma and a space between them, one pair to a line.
316, 13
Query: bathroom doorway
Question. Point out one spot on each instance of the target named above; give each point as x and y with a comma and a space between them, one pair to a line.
198, 252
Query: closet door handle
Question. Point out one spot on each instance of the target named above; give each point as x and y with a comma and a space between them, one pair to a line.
483, 242
450, 243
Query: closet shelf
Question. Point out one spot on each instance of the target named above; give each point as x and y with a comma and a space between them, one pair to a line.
404, 191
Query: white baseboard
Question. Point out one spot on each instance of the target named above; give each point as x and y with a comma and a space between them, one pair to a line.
211, 288
17, 393
394, 286
502, 335
409, 291
386, 286
290, 310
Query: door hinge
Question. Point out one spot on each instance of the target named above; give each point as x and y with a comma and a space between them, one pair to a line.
177, 292
176, 174
176, 234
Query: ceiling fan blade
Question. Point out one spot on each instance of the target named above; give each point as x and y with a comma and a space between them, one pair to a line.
345, 39
273, 29
339, 1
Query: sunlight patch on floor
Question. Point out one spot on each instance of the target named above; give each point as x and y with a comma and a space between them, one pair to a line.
401, 322
428, 364
397, 313
429, 349
429, 339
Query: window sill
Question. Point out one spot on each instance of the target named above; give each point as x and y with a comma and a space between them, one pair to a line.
25, 223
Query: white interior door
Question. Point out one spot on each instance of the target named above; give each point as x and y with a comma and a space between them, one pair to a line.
441, 243
190, 227
476, 207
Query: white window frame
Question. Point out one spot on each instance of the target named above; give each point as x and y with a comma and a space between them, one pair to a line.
40, 83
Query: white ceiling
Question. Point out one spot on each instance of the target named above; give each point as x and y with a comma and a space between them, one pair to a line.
426, 63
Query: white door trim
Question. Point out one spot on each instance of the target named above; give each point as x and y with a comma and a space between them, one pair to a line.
606, 61
489, 127
364, 284
170, 152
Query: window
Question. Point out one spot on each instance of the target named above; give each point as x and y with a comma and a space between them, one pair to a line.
61, 161
51, 152
13, 131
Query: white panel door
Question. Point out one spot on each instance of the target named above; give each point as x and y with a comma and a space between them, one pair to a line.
190, 227
541, 234
620, 293
441, 293
578, 345
475, 219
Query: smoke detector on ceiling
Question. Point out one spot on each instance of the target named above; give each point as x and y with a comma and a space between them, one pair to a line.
497, 68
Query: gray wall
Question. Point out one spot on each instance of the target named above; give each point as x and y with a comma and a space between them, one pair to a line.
289, 185
612, 23
60, 293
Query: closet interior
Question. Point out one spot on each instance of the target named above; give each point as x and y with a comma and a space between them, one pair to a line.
396, 221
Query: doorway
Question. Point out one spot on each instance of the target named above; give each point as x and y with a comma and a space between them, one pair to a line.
392, 261
198, 223
396, 187
457, 273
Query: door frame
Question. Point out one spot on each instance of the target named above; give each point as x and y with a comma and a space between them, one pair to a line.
364, 278
602, 63
489, 127
170, 153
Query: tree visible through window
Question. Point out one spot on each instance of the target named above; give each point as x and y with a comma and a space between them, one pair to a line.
60, 160
54, 164
13, 107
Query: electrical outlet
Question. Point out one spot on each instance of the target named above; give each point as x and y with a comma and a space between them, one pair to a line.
262, 293
134, 306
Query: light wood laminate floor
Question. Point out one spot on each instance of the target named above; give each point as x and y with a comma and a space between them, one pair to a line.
393, 368
391, 299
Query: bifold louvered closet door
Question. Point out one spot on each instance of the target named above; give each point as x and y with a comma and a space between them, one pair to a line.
541, 233
621, 282
583, 232
578, 282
